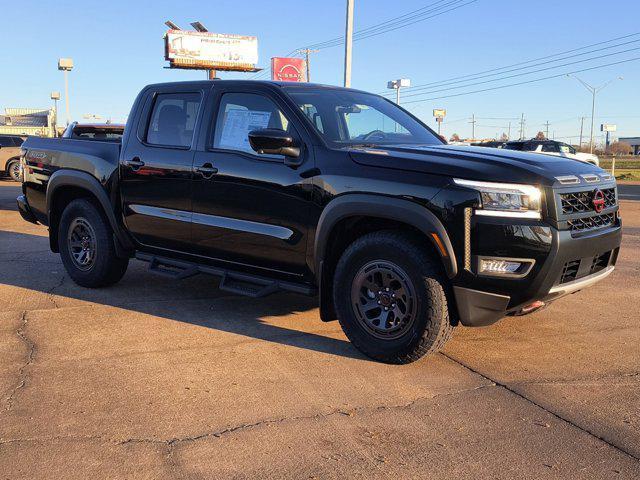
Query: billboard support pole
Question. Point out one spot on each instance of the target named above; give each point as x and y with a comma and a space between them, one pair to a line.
211, 74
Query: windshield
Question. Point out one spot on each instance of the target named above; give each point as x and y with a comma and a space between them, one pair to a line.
347, 118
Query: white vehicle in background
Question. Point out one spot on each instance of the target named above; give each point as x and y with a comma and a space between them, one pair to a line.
551, 147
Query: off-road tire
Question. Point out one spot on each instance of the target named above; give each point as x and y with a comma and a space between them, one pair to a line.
13, 170
106, 268
431, 327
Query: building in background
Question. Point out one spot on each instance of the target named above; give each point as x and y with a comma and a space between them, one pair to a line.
633, 141
28, 121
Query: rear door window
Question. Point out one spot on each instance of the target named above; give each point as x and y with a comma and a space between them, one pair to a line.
173, 119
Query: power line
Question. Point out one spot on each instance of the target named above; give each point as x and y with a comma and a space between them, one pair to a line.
424, 87
447, 81
392, 24
378, 25
527, 81
379, 29
521, 74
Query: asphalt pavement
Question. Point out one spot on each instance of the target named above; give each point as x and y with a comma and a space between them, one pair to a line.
629, 191
156, 379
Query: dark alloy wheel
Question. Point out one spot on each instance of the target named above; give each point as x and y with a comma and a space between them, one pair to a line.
390, 295
86, 245
81, 240
14, 171
384, 299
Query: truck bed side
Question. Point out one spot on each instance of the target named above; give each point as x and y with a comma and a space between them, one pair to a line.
46, 157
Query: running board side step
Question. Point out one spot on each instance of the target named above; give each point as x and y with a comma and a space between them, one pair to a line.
240, 283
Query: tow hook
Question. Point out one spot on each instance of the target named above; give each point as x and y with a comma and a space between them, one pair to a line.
532, 307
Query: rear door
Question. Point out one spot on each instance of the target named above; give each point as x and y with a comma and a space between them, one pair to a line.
251, 210
156, 166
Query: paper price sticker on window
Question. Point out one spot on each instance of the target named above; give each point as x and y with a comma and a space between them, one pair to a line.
238, 124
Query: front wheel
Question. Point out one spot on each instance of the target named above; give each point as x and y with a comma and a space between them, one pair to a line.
390, 296
85, 242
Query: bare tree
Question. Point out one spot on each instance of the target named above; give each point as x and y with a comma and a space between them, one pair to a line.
504, 137
619, 148
455, 138
540, 136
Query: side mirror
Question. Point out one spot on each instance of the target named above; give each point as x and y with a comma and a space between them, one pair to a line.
274, 141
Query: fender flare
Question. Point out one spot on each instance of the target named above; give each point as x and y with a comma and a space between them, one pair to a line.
75, 178
380, 206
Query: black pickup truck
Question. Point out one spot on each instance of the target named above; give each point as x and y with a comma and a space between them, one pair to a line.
325, 191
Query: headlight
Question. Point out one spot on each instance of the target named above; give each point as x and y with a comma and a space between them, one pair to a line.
505, 199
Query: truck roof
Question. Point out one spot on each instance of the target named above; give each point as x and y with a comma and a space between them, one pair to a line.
268, 83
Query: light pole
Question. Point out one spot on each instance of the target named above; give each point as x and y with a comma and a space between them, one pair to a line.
594, 91
66, 65
55, 96
348, 42
397, 85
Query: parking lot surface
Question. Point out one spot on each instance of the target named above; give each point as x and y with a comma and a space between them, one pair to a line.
156, 379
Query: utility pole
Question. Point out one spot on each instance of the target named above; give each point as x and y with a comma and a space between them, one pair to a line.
307, 61
509, 132
522, 127
581, 128
473, 126
348, 43
547, 130
594, 91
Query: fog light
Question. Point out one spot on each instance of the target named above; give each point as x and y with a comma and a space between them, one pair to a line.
494, 265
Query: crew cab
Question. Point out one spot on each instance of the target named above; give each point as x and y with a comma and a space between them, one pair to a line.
325, 191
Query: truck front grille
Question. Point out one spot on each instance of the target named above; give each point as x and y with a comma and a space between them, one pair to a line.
580, 202
593, 222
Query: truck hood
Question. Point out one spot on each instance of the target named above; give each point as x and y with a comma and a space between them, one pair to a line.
474, 163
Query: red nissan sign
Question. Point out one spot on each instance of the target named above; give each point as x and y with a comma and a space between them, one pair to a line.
288, 69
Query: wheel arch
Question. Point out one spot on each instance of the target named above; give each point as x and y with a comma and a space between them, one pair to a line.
65, 186
363, 213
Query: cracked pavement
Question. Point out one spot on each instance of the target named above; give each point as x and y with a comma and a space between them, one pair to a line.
156, 379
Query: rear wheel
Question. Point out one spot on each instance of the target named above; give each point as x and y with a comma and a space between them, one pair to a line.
13, 170
85, 242
390, 296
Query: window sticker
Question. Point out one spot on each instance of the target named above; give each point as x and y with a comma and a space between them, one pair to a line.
238, 124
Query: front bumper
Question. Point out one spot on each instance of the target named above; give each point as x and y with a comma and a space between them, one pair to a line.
567, 265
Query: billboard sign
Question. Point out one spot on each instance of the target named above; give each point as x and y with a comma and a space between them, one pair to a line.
608, 127
188, 49
439, 112
288, 69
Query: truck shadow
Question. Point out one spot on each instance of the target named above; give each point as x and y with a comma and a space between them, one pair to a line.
26, 263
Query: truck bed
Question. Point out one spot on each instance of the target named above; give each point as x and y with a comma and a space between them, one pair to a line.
97, 158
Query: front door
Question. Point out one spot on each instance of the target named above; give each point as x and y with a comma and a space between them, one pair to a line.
249, 209
156, 170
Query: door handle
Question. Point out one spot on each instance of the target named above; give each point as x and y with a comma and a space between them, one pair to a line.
135, 163
207, 170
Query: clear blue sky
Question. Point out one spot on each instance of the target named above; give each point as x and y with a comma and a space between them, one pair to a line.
117, 48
